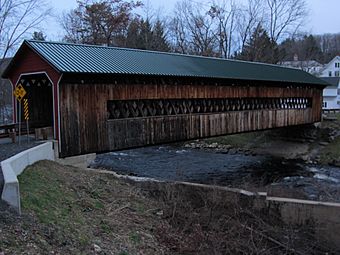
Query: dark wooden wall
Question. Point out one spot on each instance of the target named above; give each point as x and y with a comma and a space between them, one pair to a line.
40, 100
85, 126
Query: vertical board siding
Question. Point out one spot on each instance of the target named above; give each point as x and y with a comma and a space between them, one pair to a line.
126, 133
85, 127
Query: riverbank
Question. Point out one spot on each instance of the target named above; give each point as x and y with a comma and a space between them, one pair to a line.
314, 144
71, 211
296, 162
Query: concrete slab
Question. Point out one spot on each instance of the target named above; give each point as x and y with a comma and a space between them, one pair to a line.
81, 161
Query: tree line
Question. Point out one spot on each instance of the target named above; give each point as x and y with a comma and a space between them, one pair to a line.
255, 30
258, 30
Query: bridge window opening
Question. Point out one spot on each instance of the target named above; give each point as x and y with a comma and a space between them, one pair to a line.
122, 109
39, 96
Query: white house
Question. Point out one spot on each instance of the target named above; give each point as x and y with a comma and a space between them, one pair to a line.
329, 72
331, 97
332, 69
310, 66
331, 94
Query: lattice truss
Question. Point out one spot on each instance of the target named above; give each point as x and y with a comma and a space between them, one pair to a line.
120, 109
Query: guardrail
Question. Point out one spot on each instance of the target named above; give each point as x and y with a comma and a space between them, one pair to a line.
14, 166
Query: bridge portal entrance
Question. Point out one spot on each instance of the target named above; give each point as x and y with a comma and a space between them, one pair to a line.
39, 95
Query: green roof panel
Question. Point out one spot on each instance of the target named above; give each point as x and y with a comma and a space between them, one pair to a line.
79, 58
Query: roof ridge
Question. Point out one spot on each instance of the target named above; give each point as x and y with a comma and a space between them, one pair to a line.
87, 58
159, 53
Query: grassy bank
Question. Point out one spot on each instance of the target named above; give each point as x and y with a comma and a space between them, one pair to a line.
72, 211
331, 152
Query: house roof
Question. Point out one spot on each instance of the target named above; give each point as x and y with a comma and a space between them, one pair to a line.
336, 58
79, 58
332, 81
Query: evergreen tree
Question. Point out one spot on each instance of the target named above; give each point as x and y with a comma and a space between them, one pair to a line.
310, 49
159, 42
260, 48
146, 35
133, 33
288, 48
306, 48
142, 35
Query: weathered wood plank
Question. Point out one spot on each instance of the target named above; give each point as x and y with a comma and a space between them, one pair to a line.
85, 126
158, 130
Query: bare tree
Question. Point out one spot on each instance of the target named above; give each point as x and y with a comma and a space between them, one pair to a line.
5, 95
285, 17
248, 18
18, 18
99, 22
193, 30
330, 45
225, 14
178, 35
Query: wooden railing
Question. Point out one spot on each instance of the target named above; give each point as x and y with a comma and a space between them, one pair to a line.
8, 130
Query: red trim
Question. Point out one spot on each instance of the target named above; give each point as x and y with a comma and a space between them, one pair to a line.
14, 104
56, 111
29, 62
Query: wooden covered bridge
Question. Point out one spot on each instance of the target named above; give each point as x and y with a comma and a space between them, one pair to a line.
104, 98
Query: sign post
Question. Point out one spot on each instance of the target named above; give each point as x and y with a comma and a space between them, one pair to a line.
19, 93
26, 116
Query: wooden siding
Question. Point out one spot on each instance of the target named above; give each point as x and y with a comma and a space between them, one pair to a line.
126, 133
85, 127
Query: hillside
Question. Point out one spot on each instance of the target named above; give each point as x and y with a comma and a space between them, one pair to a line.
71, 211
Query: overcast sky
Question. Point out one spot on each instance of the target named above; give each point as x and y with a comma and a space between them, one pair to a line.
324, 15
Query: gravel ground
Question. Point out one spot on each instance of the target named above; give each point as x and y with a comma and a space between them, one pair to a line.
8, 150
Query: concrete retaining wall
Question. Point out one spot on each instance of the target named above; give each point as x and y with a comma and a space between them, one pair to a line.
15, 165
324, 216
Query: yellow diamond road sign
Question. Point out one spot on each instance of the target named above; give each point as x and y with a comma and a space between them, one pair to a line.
19, 92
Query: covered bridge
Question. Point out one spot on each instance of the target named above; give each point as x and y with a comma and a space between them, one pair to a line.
105, 98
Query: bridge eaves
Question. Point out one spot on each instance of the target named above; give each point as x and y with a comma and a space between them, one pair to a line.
93, 59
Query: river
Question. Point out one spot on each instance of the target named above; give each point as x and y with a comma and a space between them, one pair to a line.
176, 163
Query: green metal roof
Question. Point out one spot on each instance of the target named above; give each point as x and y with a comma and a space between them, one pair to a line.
78, 58
332, 81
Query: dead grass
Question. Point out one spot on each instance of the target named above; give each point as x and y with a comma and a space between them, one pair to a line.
71, 211
210, 221
331, 152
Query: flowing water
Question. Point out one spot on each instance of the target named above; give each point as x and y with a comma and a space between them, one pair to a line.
175, 163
